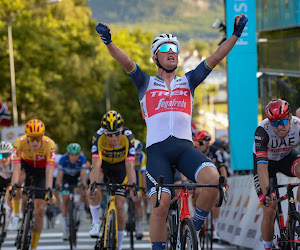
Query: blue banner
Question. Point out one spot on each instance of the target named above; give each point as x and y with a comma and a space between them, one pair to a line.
242, 85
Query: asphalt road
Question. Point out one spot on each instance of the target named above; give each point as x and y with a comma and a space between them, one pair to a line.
51, 239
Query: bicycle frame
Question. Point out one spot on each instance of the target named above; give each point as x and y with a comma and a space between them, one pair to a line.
185, 220
293, 215
111, 206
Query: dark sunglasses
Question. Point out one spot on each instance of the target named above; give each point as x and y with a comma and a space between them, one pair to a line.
279, 122
110, 134
201, 143
166, 47
34, 138
4, 156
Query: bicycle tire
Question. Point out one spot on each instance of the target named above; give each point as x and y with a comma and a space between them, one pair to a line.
111, 231
26, 234
2, 225
188, 237
72, 231
131, 222
209, 232
292, 235
172, 229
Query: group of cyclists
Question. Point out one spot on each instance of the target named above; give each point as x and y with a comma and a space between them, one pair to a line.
166, 103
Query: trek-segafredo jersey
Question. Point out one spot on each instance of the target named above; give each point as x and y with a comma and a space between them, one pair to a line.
268, 146
168, 113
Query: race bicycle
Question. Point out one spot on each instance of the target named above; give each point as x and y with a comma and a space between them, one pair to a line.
180, 226
23, 239
108, 235
207, 238
289, 233
73, 216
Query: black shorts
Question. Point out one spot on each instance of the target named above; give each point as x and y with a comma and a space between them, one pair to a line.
38, 176
284, 166
4, 183
115, 173
162, 156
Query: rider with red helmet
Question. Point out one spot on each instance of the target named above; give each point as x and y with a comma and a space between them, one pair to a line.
273, 151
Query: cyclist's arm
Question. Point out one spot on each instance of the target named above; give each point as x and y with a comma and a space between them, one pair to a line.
130, 171
96, 170
222, 51
83, 177
121, 57
223, 171
263, 176
227, 45
261, 149
49, 176
16, 173
60, 174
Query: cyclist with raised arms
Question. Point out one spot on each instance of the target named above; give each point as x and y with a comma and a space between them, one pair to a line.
273, 151
33, 157
72, 166
140, 170
202, 143
166, 103
113, 157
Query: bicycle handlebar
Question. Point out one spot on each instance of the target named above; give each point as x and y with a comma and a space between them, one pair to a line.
112, 187
221, 186
272, 187
30, 188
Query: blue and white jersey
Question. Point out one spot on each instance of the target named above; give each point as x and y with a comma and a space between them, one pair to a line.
72, 169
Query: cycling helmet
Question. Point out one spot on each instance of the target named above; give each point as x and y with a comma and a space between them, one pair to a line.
138, 145
5, 147
163, 38
73, 148
34, 128
202, 135
277, 109
112, 121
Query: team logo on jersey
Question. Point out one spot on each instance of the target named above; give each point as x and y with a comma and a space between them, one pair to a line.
132, 151
52, 155
15, 153
158, 101
94, 149
41, 157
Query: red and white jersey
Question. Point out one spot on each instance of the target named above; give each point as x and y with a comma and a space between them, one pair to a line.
268, 146
168, 112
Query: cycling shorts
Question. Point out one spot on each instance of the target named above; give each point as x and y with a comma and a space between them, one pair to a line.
173, 151
115, 173
285, 166
68, 181
4, 183
38, 177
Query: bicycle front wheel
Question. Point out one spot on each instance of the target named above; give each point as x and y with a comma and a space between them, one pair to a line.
188, 235
294, 243
111, 231
131, 222
26, 231
72, 230
2, 224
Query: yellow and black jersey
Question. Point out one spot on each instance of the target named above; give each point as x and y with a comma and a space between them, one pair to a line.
124, 151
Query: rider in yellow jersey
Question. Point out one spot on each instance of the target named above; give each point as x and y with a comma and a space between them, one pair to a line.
113, 157
33, 156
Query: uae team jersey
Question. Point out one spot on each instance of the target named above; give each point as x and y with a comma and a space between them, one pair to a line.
168, 113
268, 146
